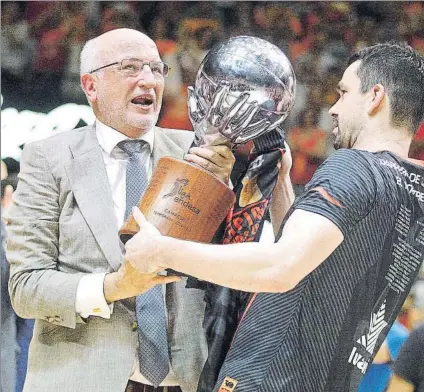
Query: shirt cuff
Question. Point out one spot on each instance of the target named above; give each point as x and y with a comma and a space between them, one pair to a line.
90, 300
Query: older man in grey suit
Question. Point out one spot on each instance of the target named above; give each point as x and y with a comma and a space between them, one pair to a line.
67, 268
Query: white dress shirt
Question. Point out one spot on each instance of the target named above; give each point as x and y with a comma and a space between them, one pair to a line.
90, 300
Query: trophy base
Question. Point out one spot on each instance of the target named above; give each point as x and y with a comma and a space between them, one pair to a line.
182, 201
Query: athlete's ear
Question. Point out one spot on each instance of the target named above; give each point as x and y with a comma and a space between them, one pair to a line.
377, 99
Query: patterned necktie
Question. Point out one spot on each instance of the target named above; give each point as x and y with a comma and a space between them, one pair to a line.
150, 306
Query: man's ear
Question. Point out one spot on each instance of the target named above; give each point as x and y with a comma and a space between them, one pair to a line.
89, 85
378, 93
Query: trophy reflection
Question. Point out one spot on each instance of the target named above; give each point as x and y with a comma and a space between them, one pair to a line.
244, 88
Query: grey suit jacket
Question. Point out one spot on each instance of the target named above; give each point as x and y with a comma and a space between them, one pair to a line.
63, 226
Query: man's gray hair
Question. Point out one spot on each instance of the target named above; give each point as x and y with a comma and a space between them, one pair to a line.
90, 57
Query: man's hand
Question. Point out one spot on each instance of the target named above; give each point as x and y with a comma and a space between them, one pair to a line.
283, 195
128, 282
139, 272
286, 162
219, 160
143, 251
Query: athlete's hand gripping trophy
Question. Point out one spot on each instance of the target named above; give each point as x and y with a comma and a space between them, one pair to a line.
244, 88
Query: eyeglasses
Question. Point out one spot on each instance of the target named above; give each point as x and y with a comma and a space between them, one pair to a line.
133, 67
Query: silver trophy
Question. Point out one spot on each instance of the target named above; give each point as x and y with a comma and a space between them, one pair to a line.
244, 88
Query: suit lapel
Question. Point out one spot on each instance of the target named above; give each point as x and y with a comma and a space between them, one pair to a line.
163, 146
90, 185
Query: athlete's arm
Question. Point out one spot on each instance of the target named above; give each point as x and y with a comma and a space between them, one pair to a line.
307, 240
340, 194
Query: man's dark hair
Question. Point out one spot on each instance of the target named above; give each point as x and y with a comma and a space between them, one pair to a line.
400, 69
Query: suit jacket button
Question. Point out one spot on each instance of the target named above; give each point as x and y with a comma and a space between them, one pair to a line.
134, 326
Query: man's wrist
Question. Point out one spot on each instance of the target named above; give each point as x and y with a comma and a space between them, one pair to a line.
110, 287
117, 285
168, 247
284, 176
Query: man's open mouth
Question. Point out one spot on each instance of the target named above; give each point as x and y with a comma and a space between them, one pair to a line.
143, 100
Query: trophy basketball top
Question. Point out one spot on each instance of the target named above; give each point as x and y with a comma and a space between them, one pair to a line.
249, 81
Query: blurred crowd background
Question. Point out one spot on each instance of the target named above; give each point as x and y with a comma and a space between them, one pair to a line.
41, 42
